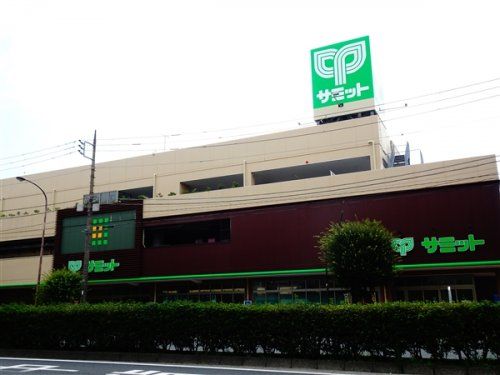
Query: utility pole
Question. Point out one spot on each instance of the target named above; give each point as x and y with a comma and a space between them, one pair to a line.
86, 251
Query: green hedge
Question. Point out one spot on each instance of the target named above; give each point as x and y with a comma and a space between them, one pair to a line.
470, 330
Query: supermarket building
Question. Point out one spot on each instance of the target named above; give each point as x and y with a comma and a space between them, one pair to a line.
243, 220
237, 221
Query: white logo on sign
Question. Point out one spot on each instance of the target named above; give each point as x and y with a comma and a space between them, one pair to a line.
339, 69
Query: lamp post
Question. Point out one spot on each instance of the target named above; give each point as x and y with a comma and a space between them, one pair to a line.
22, 179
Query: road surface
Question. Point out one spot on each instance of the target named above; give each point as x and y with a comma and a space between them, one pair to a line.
35, 366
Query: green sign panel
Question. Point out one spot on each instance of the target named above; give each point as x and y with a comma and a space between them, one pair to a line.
438, 245
112, 231
96, 266
100, 231
342, 73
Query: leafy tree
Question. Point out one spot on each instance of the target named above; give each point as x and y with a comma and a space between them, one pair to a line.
359, 254
59, 286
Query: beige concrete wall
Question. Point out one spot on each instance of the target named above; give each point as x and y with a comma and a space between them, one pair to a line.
21, 204
453, 172
23, 270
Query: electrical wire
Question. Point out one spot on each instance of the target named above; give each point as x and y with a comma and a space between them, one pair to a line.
328, 114
249, 141
37, 151
38, 162
320, 190
255, 133
284, 200
392, 119
37, 157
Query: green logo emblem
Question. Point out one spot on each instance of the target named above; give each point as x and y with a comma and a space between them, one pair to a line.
342, 73
75, 265
403, 245
96, 266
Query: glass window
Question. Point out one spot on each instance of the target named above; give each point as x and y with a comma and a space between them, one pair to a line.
259, 298
272, 297
313, 297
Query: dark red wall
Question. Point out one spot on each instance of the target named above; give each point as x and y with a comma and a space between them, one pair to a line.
282, 237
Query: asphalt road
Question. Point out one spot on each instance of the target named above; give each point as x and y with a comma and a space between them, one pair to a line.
61, 367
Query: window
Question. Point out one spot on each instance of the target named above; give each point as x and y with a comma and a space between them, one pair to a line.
200, 232
136, 193
26, 248
213, 183
300, 172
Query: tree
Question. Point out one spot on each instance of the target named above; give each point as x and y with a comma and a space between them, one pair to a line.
359, 255
59, 286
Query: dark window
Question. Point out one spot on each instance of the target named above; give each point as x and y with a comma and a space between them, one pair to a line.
188, 233
300, 172
137, 193
26, 248
212, 183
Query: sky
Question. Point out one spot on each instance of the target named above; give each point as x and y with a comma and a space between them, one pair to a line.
158, 75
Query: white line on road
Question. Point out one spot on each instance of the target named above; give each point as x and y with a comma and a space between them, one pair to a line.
141, 372
33, 368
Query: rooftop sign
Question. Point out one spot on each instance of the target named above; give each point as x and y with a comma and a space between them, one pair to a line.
342, 73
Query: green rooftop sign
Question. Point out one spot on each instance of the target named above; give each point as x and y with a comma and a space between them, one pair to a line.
342, 73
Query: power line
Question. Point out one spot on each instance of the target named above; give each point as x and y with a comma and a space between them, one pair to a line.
38, 162
37, 206
246, 141
268, 123
392, 119
328, 114
323, 195
313, 122
329, 130
202, 161
29, 226
349, 185
445, 99
319, 196
37, 151
283, 200
37, 157
316, 190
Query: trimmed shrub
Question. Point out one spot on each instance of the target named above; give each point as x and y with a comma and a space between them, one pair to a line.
393, 330
60, 286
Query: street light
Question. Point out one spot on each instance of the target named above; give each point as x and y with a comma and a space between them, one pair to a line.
22, 179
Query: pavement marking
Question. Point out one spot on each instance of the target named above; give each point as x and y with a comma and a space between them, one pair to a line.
141, 372
288, 371
33, 368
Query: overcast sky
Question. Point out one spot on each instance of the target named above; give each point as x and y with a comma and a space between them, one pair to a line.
150, 75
